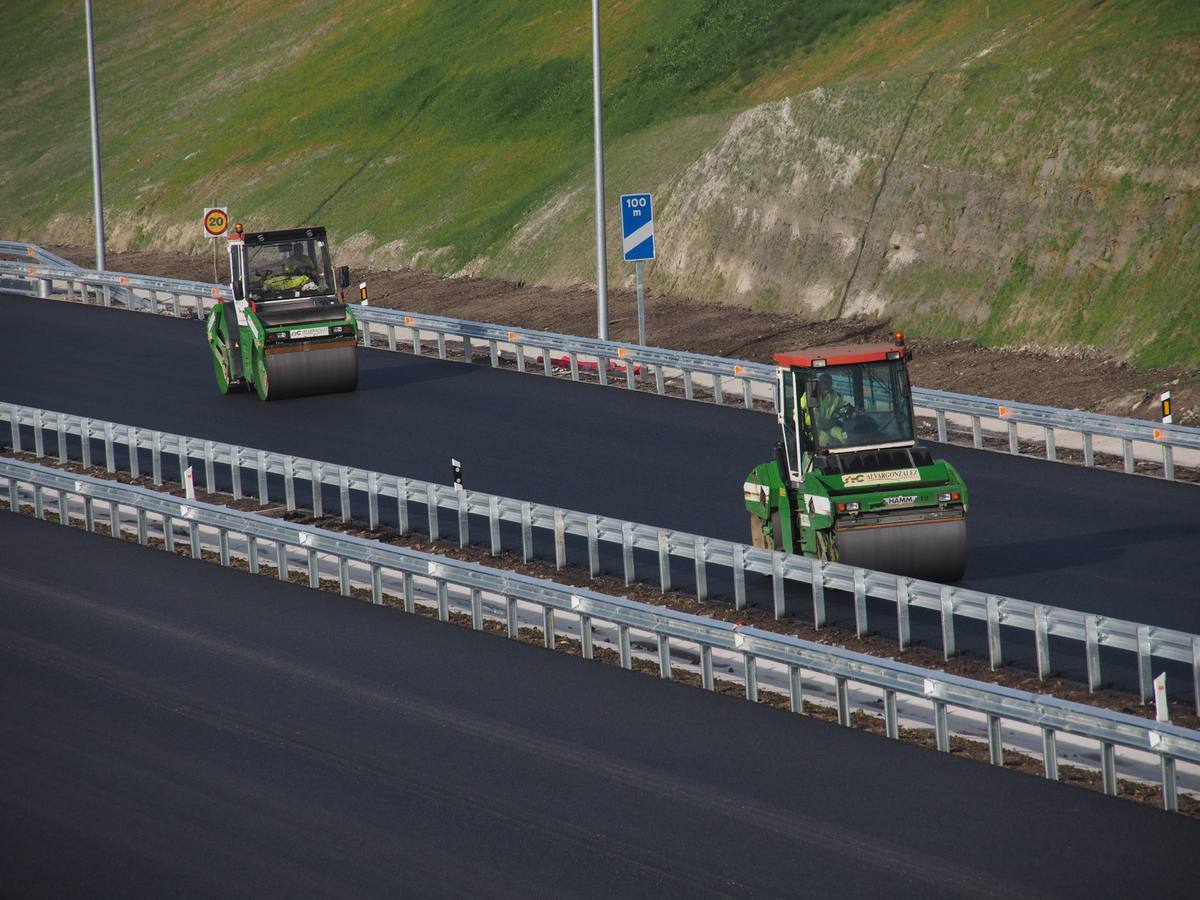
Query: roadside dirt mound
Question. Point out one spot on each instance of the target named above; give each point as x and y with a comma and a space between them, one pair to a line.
1092, 381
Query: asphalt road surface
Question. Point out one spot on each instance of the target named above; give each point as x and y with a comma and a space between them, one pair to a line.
1099, 541
169, 727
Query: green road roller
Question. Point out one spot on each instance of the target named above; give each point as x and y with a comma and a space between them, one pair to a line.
288, 331
849, 482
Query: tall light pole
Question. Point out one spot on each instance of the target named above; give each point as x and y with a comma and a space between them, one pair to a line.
97, 193
598, 128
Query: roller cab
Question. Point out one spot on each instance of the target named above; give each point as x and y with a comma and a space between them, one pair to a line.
849, 482
287, 331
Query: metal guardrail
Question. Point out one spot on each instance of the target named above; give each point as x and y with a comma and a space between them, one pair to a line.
1049, 714
699, 375
948, 602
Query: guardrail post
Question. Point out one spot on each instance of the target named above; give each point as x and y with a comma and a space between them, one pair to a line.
795, 689
843, 700
995, 650
860, 602
1014, 445
61, 437
376, 584
688, 390
477, 609
777, 584
89, 512
593, 543
415, 333
747, 394
623, 646
193, 532
344, 576
942, 435
344, 492
391, 336
903, 602
627, 552
718, 390
976, 433
14, 427
252, 554
995, 745
1049, 753
155, 455
511, 626
818, 593
1127, 452
210, 479
468, 350
317, 479
602, 369
38, 504
281, 560
560, 539
1091, 633
573, 358
222, 545
547, 368
660, 386
1051, 449
131, 442
314, 573
1108, 767
373, 500
1088, 456
85, 442
39, 439
1170, 792
1168, 463
700, 549
891, 722
235, 470
493, 354
431, 510
289, 482
70, 290
585, 637
949, 647
629, 382
408, 591
664, 657
706, 668
526, 532
941, 727
1196, 672
548, 632
664, 560
464, 518
520, 351
260, 465
441, 345
1041, 637
110, 461
494, 524
1145, 679
751, 667
739, 576
141, 525
443, 600
402, 505
107, 295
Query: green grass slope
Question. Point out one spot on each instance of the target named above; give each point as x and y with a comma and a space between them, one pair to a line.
1020, 171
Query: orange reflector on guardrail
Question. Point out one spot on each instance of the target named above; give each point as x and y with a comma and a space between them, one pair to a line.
124, 279
1158, 434
512, 336
1003, 411
737, 370
408, 320
621, 352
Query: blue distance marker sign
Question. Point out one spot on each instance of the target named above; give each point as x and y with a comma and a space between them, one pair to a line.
637, 227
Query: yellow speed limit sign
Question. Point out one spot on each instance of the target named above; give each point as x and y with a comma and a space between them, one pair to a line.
216, 221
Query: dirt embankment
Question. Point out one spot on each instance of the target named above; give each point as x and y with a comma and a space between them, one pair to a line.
1093, 381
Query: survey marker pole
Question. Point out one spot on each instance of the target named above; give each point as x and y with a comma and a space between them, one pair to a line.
598, 130
97, 191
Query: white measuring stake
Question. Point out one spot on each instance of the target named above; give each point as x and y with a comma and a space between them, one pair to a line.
1161, 714
189, 484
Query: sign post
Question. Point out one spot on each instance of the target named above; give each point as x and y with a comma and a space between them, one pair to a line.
216, 223
637, 244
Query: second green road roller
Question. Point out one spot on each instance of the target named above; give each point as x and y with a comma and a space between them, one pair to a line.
288, 331
849, 482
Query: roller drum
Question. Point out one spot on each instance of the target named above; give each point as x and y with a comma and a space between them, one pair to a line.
304, 373
932, 550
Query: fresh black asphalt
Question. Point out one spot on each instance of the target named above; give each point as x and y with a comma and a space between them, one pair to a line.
169, 727
1098, 541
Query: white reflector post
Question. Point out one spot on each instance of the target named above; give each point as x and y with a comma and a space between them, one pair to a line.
189, 483
1161, 713
1166, 407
